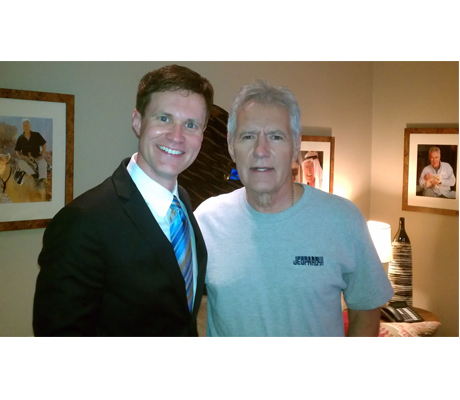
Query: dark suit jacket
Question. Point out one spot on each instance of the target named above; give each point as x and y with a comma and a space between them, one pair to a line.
107, 269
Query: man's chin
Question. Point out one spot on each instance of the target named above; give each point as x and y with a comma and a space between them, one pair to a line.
259, 187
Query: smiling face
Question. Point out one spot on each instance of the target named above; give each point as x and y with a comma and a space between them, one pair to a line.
309, 171
435, 159
170, 134
263, 149
26, 127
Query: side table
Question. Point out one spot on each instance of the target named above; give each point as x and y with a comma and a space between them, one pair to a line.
425, 328
426, 315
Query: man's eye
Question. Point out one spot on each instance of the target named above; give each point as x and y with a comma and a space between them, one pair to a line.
276, 137
190, 125
164, 118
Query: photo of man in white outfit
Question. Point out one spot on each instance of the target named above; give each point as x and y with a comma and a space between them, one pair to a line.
312, 171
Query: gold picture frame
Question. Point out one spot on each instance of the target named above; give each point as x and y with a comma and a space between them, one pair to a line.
16, 105
417, 143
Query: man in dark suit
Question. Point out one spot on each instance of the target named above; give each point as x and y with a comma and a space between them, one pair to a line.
108, 265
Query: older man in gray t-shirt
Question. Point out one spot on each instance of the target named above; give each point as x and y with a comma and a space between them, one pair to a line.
280, 254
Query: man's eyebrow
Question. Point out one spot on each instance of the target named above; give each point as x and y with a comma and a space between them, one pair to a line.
167, 114
242, 133
160, 112
277, 132
193, 120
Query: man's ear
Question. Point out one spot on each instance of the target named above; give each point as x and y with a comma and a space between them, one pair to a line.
137, 122
230, 147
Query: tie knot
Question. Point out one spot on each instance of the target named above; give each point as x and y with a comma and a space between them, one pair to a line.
175, 205
175, 208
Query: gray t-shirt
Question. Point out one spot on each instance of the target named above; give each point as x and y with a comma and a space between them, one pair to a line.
283, 274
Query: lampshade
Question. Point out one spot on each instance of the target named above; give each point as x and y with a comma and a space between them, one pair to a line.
381, 236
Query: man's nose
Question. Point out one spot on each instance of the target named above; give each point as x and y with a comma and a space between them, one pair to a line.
262, 147
176, 133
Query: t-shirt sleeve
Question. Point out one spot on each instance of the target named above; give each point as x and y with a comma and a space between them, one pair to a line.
368, 286
41, 139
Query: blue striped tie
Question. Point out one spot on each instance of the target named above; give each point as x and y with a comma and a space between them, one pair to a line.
180, 239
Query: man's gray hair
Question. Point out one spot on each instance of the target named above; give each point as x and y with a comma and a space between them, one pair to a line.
262, 92
434, 149
26, 120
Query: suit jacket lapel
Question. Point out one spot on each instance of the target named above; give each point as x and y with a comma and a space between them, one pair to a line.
140, 214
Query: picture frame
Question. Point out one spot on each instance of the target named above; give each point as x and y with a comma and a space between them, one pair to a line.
54, 114
315, 151
426, 188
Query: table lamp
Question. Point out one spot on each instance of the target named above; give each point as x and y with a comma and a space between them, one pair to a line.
381, 236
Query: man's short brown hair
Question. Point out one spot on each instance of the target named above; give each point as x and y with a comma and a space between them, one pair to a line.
173, 78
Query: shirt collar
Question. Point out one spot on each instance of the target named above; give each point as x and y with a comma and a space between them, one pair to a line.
157, 196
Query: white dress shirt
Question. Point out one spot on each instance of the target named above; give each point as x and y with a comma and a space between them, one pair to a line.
159, 200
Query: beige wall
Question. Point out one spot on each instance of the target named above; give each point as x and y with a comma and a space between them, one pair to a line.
334, 97
409, 95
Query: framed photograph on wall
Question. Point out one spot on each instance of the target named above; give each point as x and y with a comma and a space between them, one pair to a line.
315, 164
431, 170
36, 157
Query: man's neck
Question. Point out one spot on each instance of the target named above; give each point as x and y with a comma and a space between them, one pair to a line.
271, 203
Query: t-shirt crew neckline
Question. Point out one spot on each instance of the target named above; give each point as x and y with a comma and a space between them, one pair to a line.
271, 218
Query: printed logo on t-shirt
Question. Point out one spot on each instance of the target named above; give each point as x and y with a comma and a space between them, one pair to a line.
309, 260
